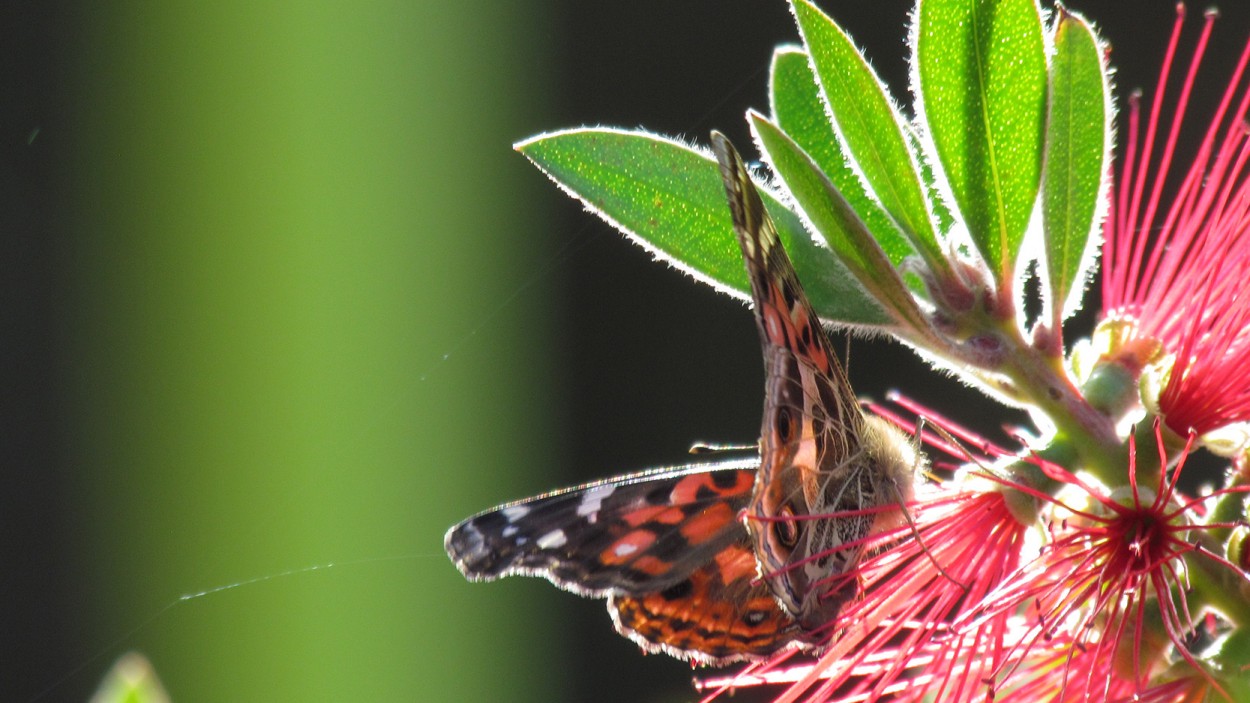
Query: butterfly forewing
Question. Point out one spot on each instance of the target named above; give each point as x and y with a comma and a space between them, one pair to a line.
632, 534
814, 469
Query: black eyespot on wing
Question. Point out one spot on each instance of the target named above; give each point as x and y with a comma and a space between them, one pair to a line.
785, 527
784, 424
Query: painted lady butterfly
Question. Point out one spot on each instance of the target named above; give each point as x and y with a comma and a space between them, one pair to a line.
733, 560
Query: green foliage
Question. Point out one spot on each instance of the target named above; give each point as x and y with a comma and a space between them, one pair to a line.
1077, 154
832, 215
869, 126
888, 194
668, 197
799, 112
982, 71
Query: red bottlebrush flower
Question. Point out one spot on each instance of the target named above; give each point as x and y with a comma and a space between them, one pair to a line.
1106, 596
902, 619
961, 541
1062, 670
1176, 273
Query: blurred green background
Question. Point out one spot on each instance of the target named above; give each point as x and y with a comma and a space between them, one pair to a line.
277, 293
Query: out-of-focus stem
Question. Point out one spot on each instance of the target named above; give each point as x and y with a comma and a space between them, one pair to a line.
1214, 584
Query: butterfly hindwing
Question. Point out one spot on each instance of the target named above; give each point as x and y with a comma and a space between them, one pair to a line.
718, 614
634, 534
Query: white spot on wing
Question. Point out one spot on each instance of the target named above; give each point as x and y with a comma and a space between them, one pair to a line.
774, 326
624, 549
509, 531
516, 512
592, 502
552, 540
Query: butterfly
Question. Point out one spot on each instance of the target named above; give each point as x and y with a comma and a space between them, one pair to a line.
732, 560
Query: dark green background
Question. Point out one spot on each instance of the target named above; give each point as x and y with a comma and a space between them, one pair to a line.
277, 293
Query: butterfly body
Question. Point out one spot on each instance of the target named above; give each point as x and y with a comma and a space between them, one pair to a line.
735, 560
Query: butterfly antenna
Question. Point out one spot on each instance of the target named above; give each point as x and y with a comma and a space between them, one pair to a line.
911, 521
956, 449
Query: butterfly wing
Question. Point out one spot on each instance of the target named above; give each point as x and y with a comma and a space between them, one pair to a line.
819, 454
719, 614
803, 376
665, 546
632, 534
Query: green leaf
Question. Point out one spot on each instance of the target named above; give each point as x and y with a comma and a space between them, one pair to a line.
833, 217
871, 129
668, 198
798, 111
982, 70
1077, 142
